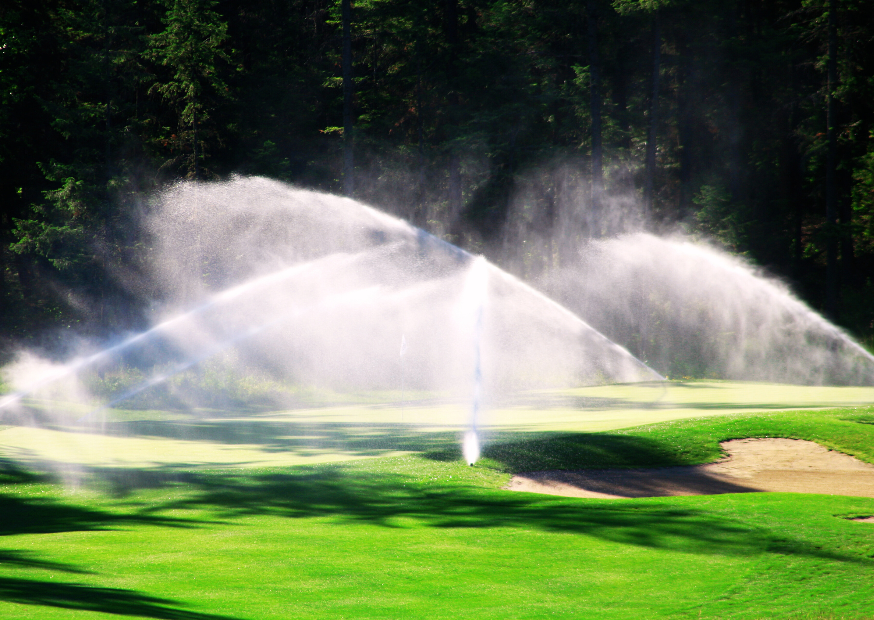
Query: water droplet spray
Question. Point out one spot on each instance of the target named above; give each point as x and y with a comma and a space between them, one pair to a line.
477, 288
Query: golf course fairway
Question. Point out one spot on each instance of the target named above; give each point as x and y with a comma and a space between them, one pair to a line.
368, 511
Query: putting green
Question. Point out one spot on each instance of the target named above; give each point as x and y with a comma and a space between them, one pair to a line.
126, 438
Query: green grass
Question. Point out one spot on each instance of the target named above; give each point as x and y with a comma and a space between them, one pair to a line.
687, 441
425, 536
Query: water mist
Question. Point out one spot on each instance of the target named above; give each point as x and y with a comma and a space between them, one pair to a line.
314, 292
275, 274
690, 309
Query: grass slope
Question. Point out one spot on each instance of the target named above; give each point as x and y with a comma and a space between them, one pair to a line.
424, 536
687, 441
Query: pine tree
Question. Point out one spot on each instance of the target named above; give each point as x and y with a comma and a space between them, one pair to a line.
192, 48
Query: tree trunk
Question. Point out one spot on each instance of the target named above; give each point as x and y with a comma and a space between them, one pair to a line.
653, 117
108, 168
831, 212
684, 128
5, 301
845, 215
108, 120
597, 187
348, 154
734, 124
455, 191
419, 217
620, 102
194, 145
795, 179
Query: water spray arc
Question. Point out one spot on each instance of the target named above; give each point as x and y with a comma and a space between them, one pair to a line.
694, 309
577, 321
216, 301
344, 282
251, 332
223, 297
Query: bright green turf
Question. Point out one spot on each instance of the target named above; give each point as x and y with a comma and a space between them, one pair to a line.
424, 536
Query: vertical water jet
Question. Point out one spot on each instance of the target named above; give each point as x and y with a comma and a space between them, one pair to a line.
476, 290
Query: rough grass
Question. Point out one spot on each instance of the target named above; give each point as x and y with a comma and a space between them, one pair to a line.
425, 536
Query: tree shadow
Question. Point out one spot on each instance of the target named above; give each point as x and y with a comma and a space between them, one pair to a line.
392, 500
26, 560
347, 494
25, 514
628, 483
582, 451
21, 513
362, 439
102, 600
359, 498
271, 436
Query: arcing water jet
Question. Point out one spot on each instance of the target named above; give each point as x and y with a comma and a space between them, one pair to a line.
269, 249
272, 250
132, 341
689, 309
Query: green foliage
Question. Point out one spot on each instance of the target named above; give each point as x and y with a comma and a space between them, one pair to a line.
122, 96
267, 160
719, 218
191, 46
210, 384
634, 6
863, 199
58, 229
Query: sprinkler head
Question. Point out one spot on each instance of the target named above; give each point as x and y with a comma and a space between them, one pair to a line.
471, 464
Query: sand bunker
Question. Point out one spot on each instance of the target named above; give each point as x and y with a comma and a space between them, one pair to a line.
753, 465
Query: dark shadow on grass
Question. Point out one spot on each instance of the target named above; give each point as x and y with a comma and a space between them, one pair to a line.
349, 496
21, 513
24, 513
102, 600
29, 515
864, 419
353, 494
583, 451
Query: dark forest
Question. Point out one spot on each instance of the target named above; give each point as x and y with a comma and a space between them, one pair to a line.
745, 122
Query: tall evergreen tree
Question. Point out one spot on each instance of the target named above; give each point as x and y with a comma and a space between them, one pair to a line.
192, 47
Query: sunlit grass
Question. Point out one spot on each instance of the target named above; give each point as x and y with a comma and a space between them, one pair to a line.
169, 533
421, 538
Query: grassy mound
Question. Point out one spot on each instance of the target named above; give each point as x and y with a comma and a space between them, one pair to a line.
686, 442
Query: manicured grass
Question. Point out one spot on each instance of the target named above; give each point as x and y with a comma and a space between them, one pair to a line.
687, 441
317, 433
425, 536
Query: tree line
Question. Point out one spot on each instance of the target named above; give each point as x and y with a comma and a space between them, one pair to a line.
484, 121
